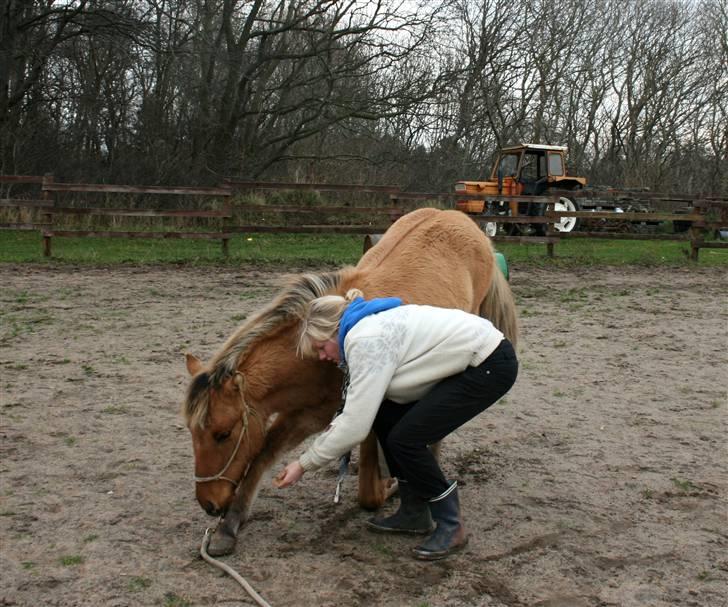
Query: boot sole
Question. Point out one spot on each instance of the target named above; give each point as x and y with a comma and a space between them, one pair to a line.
394, 530
436, 556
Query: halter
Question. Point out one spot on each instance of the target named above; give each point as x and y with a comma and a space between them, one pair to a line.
239, 382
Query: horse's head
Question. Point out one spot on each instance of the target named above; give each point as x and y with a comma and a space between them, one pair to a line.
227, 411
225, 430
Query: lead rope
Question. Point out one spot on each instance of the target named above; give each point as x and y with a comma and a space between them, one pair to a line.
230, 571
343, 469
239, 380
346, 458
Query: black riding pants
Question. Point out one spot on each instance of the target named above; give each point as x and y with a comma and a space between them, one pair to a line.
405, 430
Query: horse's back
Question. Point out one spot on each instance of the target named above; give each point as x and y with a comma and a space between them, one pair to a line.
431, 257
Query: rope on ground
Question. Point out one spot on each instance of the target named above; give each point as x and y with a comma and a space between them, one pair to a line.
230, 571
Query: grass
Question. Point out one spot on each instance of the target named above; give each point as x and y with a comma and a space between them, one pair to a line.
383, 549
71, 560
17, 247
336, 249
15, 325
574, 295
115, 410
139, 583
683, 485
173, 600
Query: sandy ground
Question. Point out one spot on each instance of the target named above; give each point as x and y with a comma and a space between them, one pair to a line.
600, 480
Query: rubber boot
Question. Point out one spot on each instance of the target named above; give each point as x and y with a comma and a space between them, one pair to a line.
449, 535
412, 517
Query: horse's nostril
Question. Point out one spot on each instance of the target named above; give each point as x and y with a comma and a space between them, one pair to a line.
211, 508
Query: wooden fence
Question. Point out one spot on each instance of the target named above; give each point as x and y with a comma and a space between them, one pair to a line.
49, 209
702, 216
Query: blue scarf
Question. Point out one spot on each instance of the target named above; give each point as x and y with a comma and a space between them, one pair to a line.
358, 309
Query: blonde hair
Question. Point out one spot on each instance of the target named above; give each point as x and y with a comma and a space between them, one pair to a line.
321, 320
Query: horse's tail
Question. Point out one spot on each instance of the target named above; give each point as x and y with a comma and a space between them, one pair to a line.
499, 306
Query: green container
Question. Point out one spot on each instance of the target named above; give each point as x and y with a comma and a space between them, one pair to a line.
502, 264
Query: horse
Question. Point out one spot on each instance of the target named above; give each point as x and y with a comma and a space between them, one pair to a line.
256, 399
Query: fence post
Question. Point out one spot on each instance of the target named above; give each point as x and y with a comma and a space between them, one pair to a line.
696, 234
47, 197
550, 231
226, 222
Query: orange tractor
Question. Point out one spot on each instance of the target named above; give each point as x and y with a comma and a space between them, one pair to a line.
524, 170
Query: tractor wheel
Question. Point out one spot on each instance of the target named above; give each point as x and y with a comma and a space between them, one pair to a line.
680, 227
513, 229
370, 240
566, 224
538, 229
489, 227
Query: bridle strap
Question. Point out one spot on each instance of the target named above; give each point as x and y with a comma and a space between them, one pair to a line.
239, 382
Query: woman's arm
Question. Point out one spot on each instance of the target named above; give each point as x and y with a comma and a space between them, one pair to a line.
369, 379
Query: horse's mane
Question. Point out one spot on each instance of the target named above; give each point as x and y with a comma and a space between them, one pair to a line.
290, 304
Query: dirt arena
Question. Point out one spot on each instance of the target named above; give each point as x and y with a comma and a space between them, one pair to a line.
600, 480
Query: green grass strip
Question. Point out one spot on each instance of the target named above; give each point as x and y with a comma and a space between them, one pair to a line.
337, 249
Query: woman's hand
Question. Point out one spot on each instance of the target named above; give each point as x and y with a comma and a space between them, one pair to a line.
290, 475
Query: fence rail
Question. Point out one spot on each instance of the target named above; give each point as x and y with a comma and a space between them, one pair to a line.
21, 179
702, 214
51, 186
312, 187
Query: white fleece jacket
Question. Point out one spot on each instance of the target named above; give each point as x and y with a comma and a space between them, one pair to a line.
399, 354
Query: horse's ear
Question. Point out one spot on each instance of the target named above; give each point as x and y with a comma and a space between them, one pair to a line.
194, 364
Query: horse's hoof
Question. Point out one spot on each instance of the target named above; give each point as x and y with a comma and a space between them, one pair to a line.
221, 544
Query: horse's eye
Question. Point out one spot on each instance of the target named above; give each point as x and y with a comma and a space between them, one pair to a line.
221, 437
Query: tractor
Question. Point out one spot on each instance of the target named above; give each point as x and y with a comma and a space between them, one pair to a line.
524, 170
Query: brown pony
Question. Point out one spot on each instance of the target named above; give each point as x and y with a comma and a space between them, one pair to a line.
256, 399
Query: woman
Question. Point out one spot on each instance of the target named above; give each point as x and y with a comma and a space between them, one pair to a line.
416, 373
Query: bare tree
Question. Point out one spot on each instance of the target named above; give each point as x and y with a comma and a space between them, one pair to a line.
413, 91
632, 87
277, 73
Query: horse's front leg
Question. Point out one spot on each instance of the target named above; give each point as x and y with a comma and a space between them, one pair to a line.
288, 431
223, 539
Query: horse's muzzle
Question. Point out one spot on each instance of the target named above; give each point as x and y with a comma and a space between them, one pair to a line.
213, 509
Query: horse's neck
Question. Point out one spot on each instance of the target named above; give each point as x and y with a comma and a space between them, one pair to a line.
279, 380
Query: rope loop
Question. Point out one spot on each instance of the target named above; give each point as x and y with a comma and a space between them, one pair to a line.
230, 571
239, 380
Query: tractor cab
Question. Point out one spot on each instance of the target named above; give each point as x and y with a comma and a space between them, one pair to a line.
527, 169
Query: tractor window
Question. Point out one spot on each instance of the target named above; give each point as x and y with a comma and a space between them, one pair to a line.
532, 167
509, 164
556, 164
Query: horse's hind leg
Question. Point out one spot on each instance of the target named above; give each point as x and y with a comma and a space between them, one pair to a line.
373, 489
